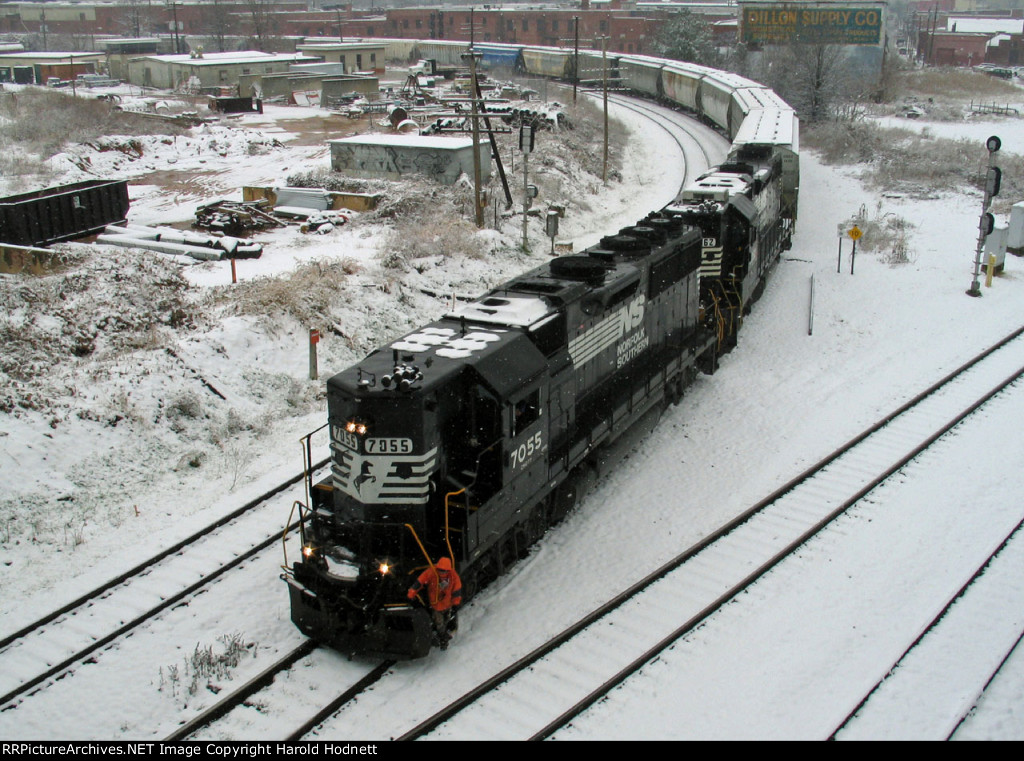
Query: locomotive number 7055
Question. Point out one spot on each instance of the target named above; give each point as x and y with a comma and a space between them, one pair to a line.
525, 451
384, 445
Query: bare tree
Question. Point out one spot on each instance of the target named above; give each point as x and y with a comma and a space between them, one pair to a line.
218, 24
811, 78
261, 23
136, 17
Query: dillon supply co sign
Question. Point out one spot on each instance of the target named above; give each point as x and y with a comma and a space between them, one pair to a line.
812, 24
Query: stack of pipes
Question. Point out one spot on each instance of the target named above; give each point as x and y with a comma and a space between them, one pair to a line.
168, 240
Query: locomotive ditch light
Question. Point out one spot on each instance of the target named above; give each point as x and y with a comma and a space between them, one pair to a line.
307, 551
384, 569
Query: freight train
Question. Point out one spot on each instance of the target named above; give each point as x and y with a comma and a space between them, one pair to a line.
470, 436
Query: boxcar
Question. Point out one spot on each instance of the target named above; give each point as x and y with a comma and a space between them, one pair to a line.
681, 83
641, 75
549, 62
592, 63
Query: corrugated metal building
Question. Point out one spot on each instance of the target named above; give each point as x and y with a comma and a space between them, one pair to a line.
210, 70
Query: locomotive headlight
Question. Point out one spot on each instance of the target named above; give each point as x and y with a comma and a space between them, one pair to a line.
353, 427
361, 429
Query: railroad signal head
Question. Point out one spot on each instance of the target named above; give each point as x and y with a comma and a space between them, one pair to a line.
526, 137
987, 224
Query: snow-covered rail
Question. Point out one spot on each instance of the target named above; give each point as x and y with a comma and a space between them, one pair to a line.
293, 684
589, 659
969, 622
51, 645
699, 145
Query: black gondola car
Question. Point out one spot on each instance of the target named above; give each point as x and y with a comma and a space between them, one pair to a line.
61, 213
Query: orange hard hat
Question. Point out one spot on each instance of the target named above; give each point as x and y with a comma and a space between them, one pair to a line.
444, 564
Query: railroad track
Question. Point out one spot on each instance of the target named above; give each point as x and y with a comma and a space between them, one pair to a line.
684, 132
940, 647
51, 645
261, 688
581, 665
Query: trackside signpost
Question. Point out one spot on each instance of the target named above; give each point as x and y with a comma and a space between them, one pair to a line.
314, 339
987, 222
854, 233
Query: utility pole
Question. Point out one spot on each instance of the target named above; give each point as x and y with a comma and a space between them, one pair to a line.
604, 66
478, 93
472, 55
174, 23
526, 140
575, 58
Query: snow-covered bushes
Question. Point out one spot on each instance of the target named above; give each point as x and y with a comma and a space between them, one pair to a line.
42, 121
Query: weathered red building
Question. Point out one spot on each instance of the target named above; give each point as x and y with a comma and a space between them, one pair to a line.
627, 30
943, 48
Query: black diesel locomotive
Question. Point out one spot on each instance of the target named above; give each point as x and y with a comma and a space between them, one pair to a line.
459, 440
469, 437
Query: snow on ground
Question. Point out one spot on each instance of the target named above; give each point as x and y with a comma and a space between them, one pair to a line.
780, 401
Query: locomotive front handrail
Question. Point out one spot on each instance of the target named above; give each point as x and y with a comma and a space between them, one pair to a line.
307, 458
287, 526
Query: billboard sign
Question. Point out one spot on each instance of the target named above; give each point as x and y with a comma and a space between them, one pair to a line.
782, 23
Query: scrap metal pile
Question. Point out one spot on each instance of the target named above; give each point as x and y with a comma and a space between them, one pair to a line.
237, 217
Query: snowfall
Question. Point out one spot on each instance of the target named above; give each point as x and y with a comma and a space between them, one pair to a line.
86, 498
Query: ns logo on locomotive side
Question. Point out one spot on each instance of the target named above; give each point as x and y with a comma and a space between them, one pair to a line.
468, 438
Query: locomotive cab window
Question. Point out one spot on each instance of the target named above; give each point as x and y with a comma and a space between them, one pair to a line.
525, 412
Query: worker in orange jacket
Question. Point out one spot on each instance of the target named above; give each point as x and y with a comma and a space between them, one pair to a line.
444, 596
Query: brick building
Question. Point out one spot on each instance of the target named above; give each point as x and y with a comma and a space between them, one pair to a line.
629, 27
956, 39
